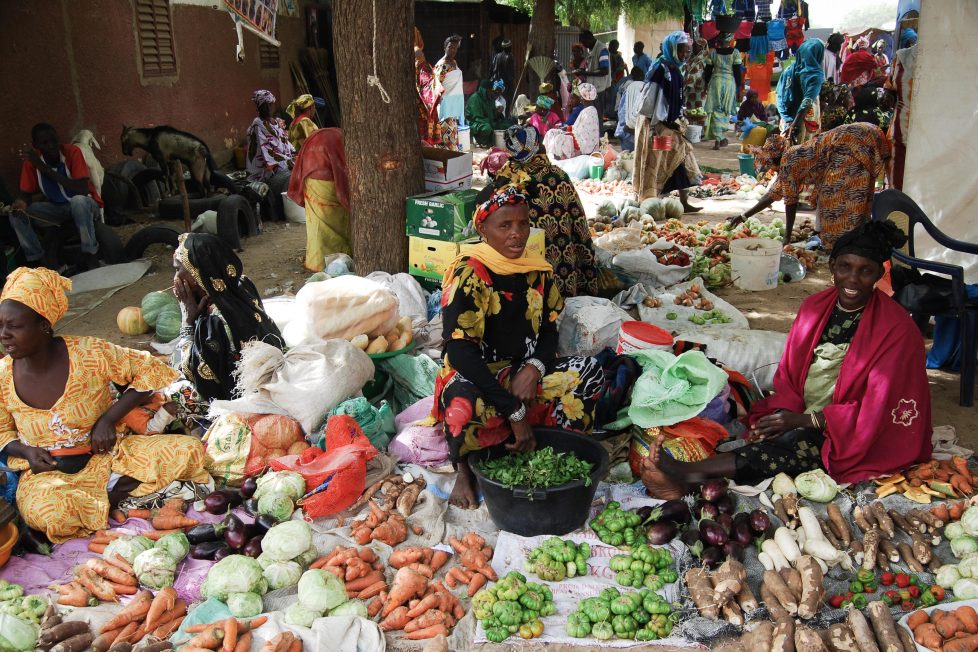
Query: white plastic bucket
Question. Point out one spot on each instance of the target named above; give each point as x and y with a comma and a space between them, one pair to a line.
464, 138
637, 335
694, 133
499, 138
293, 212
754, 263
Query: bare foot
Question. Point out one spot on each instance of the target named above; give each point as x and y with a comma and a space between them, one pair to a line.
689, 208
657, 482
463, 493
716, 145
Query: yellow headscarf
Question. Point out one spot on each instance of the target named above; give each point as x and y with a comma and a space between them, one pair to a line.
42, 290
300, 103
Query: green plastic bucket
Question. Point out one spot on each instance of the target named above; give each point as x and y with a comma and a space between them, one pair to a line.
596, 170
746, 162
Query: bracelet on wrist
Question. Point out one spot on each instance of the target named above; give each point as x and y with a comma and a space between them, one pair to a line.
536, 364
519, 414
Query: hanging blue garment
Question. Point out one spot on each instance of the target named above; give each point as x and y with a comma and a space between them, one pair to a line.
945, 353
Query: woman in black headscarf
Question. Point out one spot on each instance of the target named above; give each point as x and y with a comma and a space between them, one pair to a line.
221, 312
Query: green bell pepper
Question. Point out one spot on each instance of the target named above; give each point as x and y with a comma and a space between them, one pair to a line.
927, 598
856, 586
603, 631
859, 601
865, 576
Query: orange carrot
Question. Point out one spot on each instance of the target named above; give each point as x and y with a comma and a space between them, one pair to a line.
374, 607
155, 535
173, 522
123, 589
430, 602
361, 583
423, 569
167, 629
105, 640
119, 562
478, 581
112, 573
396, 619
296, 645
431, 632
127, 632
194, 648
969, 618
95, 584
367, 555
372, 590
74, 594
429, 618
97, 547
964, 644
164, 601
439, 559
244, 643
941, 512
210, 638
230, 634
135, 610
955, 510
255, 623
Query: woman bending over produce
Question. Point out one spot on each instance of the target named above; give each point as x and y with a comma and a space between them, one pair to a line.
850, 394
500, 373
58, 422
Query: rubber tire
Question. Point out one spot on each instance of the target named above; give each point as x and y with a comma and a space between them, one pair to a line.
117, 194
148, 236
110, 247
235, 218
171, 208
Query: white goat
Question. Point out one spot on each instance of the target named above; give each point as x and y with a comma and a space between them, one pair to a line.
85, 140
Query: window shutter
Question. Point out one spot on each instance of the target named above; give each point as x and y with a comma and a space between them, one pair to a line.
154, 28
267, 55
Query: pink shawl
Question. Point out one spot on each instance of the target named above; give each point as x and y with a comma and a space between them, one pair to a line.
879, 420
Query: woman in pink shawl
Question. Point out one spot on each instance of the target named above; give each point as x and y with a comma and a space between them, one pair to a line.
850, 394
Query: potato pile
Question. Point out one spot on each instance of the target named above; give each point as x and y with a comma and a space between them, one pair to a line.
396, 339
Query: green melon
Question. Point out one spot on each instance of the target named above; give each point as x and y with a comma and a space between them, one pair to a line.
168, 324
154, 303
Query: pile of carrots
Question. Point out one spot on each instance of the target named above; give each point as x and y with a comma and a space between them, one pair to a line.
422, 608
233, 635
146, 616
98, 580
171, 517
473, 570
950, 511
361, 571
948, 477
387, 526
950, 631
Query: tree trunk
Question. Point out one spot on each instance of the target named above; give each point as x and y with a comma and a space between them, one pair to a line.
542, 33
383, 151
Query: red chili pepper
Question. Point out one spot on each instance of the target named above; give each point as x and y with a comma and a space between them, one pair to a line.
902, 580
938, 592
914, 591
907, 606
836, 601
888, 579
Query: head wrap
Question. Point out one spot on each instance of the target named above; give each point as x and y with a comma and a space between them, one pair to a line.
301, 103
262, 97
42, 290
873, 240
506, 44
507, 195
498, 85
587, 92
670, 45
770, 153
522, 142
862, 43
907, 37
494, 161
545, 102
834, 43
546, 88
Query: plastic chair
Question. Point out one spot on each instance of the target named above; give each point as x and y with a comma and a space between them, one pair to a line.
896, 206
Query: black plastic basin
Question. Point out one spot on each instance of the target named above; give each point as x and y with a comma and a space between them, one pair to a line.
556, 510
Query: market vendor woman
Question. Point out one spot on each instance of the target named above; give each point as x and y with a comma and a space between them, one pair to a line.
56, 397
501, 374
850, 393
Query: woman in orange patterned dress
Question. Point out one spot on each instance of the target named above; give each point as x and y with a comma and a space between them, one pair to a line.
59, 423
842, 165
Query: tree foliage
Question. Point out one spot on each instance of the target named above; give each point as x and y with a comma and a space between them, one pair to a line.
604, 13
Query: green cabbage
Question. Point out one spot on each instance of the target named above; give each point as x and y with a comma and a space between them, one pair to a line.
296, 614
278, 506
947, 575
816, 486
233, 574
350, 608
954, 530
306, 558
16, 634
287, 540
289, 483
962, 546
245, 605
154, 568
321, 591
176, 545
783, 485
282, 574
128, 547
969, 520
965, 589
968, 566
264, 560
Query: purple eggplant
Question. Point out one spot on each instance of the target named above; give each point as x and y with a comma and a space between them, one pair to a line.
253, 547
676, 511
712, 556
759, 521
236, 534
249, 487
204, 533
207, 549
733, 550
706, 510
645, 512
713, 490
661, 532
742, 517
726, 505
265, 522
742, 534
217, 502
726, 522
712, 533
250, 506
690, 536
224, 552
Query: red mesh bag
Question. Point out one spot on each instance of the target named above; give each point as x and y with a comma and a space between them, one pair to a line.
343, 465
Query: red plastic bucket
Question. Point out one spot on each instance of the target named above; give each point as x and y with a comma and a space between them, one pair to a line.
637, 335
662, 142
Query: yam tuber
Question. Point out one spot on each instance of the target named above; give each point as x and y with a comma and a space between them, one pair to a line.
774, 606
746, 600
885, 628
728, 580
841, 639
761, 637
808, 640
776, 585
862, 631
888, 548
701, 591
862, 518
732, 614
839, 524
908, 557
871, 541
783, 639
792, 578
882, 518
811, 587
906, 639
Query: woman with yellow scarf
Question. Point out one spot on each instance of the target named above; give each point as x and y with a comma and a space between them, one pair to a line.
501, 374
302, 110
60, 421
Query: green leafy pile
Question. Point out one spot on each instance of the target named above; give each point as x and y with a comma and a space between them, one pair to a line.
537, 469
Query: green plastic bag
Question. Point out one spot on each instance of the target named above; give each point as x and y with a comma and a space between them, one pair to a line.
377, 423
672, 388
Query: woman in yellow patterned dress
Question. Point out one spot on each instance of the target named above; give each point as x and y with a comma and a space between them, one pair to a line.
58, 421
501, 374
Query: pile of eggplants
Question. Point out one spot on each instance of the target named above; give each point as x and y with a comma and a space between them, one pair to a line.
232, 536
662, 522
719, 533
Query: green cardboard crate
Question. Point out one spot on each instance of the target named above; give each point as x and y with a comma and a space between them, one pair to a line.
441, 215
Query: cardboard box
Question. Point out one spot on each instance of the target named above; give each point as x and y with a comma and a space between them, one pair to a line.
430, 258
441, 215
446, 167
429, 284
459, 184
537, 243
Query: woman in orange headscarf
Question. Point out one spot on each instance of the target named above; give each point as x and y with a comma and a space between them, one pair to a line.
59, 418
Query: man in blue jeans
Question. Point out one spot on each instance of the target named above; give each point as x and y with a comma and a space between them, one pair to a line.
61, 174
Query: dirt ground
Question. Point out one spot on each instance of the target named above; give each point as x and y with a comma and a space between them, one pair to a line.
273, 260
